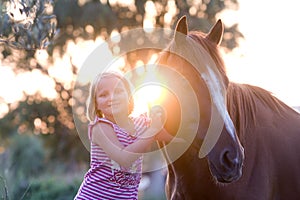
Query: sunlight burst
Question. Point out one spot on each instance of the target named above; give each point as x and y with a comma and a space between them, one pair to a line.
146, 97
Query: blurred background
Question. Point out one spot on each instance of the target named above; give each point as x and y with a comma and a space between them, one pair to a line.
44, 43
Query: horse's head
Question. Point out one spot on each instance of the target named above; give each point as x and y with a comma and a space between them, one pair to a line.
195, 57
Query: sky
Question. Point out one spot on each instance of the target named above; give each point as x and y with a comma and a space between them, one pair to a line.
269, 54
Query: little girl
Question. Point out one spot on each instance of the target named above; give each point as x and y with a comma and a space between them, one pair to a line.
117, 141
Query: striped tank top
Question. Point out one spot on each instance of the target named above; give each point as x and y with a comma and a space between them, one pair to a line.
106, 179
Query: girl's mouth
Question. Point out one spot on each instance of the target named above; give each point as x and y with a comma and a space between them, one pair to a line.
114, 104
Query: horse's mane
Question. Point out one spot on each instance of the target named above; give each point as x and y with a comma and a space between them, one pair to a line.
241, 98
242, 105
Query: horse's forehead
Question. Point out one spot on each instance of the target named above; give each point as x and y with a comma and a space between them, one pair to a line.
210, 76
194, 59
191, 57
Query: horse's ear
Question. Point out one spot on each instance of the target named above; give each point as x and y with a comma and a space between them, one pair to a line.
216, 32
181, 28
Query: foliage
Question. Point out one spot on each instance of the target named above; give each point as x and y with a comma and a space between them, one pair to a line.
26, 160
52, 187
62, 143
46, 187
27, 24
26, 156
23, 160
120, 16
28, 173
3, 189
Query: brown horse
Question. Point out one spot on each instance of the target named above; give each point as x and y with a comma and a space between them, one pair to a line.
268, 129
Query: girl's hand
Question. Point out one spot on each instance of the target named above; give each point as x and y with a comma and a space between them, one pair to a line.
158, 117
157, 122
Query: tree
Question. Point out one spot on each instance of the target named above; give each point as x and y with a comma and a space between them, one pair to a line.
27, 24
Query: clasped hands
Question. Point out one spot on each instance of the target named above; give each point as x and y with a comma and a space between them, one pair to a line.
156, 128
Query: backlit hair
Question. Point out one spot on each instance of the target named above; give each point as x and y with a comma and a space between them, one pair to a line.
92, 112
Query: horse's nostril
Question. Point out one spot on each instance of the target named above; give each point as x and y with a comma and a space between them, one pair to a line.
226, 160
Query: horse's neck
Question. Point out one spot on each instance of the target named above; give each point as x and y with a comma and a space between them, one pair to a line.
185, 174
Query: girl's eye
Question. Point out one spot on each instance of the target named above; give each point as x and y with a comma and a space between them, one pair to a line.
102, 95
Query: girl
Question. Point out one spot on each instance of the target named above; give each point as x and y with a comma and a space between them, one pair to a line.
117, 141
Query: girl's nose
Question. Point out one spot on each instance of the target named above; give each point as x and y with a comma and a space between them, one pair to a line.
110, 97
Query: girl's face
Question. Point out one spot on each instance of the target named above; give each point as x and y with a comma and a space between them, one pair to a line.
111, 97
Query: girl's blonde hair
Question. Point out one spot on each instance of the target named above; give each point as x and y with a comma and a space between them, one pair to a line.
92, 111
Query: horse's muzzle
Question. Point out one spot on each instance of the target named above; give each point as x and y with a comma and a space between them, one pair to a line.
229, 168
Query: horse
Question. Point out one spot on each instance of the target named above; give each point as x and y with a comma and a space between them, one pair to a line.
268, 130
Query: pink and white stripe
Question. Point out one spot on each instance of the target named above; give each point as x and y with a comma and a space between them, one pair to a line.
107, 180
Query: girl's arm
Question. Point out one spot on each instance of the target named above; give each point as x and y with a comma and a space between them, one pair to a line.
104, 136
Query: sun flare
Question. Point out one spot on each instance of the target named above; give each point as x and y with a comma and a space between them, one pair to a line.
146, 97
